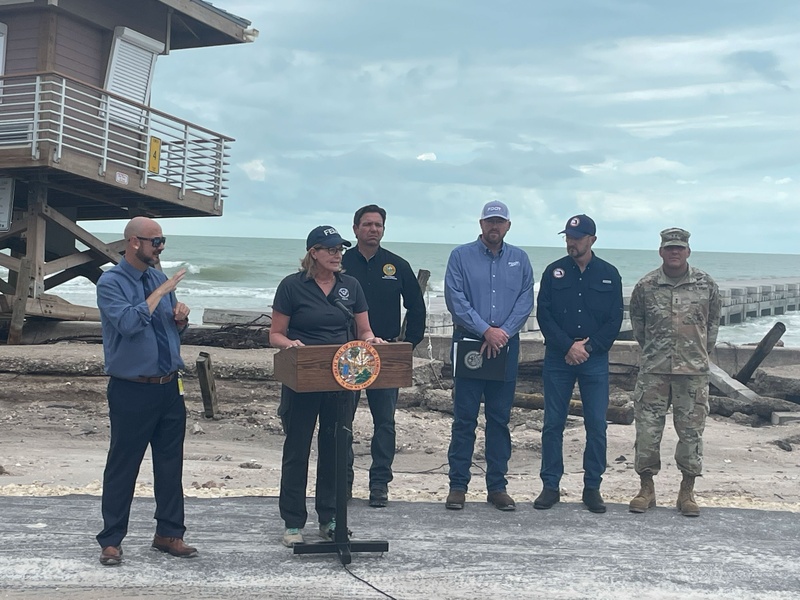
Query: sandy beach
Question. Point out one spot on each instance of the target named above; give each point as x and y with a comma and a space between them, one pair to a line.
55, 437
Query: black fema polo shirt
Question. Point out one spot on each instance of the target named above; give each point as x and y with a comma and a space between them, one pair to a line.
313, 317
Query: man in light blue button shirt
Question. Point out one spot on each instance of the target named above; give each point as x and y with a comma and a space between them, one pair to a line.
489, 292
142, 321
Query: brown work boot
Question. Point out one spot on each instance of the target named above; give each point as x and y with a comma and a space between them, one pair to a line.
111, 556
501, 500
646, 498
174, 546
686, 503
455, 499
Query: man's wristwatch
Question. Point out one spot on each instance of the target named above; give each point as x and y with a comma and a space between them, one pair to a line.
588, 346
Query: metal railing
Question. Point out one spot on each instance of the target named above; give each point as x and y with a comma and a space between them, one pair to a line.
66, 114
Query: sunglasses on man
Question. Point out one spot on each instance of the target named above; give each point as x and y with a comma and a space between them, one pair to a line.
157, 241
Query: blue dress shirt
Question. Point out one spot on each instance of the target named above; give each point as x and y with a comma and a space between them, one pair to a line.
129, 338
482, 290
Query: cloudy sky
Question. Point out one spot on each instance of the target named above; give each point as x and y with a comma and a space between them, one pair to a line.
642, 114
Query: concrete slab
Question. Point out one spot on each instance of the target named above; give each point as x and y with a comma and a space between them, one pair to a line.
47, 550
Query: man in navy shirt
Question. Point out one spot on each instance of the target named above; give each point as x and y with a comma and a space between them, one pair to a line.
142, 321
488, 288
579, 309
386, 279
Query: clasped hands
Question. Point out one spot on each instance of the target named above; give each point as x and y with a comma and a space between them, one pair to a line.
494, 340
577, 353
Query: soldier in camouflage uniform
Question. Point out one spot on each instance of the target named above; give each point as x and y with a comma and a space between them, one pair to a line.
675, 313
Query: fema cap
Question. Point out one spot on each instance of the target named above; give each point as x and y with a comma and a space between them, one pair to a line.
579, 226
495, 208
325, 236
675, 236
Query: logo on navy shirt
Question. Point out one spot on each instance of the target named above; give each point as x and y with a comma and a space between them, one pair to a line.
344, 293
558, 272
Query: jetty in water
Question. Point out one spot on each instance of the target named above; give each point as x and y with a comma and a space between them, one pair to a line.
741, 300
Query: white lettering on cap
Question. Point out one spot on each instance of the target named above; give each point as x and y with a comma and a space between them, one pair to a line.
493, 208
329, 231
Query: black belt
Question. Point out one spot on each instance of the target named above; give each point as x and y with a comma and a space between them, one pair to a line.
157, 380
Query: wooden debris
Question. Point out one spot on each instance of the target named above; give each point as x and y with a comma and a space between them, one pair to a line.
780, 417
208, 388
761, 352
619, 415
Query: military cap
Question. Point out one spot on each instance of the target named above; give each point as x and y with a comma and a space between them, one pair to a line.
675, 236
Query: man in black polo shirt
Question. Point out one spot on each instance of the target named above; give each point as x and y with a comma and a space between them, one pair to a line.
385, 278
579, 309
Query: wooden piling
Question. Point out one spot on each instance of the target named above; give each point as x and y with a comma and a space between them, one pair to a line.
208, 388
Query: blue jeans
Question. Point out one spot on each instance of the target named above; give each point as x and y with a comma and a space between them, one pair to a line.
559, 381
382, 404
498, 397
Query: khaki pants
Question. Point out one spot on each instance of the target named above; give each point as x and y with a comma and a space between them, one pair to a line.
688, 396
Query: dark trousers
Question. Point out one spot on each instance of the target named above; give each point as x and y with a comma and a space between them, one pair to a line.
300, 411
143, 414
382, 405
559, 381
498, 397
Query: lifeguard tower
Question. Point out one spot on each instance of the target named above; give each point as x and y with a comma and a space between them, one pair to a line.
79, 140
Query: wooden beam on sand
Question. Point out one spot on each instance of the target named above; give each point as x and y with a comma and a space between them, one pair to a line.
208, 388
729, 386
761, 352
619, 415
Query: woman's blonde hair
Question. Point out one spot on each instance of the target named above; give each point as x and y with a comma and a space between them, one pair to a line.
308, 265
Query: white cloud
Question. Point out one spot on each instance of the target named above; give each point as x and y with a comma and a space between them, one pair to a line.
427, 156
255, 170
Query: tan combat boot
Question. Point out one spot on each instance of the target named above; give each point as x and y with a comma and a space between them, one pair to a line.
686, 503
646, 498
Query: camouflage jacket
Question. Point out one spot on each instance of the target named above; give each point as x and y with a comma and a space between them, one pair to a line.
676, 327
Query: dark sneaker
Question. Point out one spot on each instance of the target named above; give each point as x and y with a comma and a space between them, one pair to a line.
547, 499
593, 500
173, 546
455, 499
111, 556
501, 500
378, 498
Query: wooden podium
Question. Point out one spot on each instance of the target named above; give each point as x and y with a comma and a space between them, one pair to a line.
310, 369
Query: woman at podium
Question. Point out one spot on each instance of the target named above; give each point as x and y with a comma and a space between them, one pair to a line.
318, 305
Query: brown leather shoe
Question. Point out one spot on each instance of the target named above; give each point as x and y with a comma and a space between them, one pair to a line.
173, 546
111, 556
501, 500
455, 499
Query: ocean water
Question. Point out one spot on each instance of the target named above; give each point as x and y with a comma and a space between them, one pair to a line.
243, 273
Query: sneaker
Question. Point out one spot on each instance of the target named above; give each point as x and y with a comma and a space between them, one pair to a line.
547, 499
378, 498
593, 500
501, 500
292, 536
327, 531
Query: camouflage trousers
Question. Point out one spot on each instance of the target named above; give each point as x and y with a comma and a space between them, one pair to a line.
688, 396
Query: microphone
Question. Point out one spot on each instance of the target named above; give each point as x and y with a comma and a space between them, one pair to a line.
340, 305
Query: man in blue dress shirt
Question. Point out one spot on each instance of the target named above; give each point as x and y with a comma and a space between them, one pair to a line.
579, 309
142, 321
489, 292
